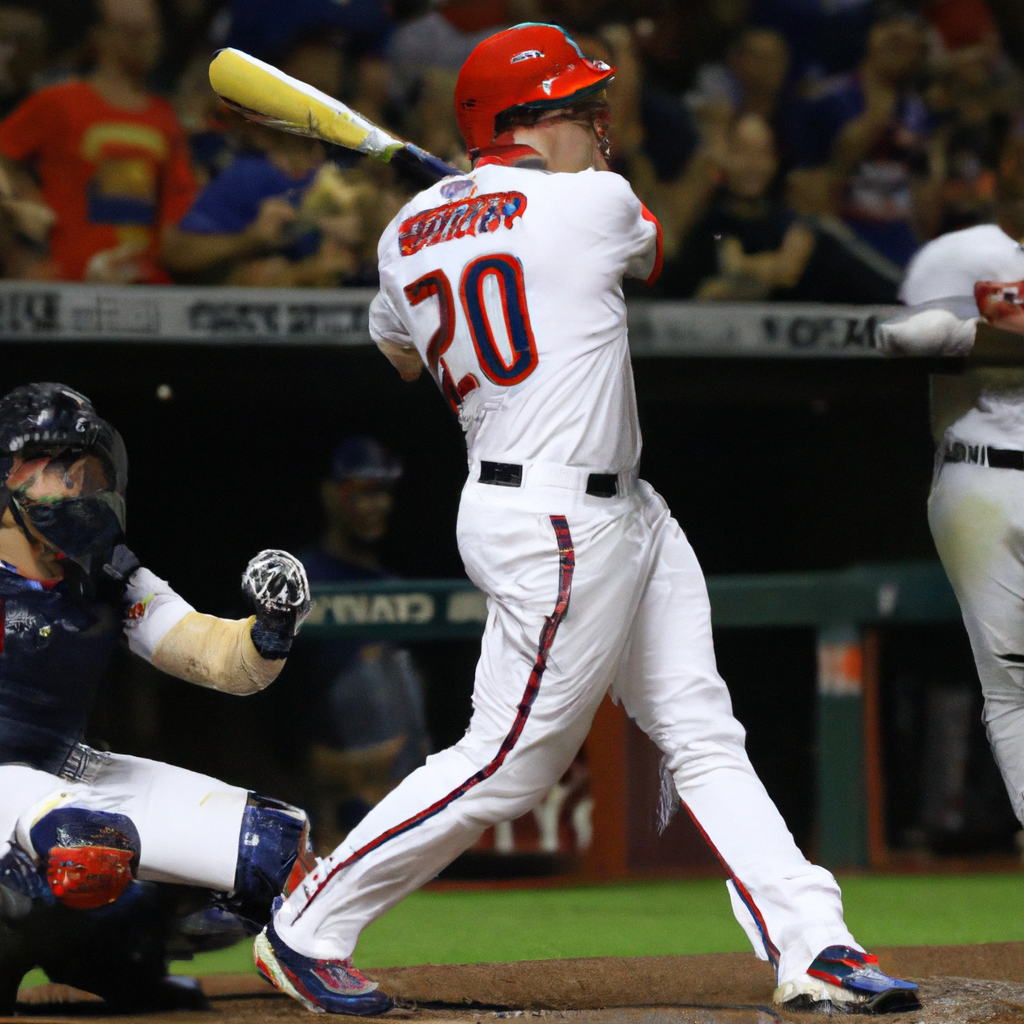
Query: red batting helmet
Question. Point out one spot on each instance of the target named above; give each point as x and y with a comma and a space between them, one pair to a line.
532, 66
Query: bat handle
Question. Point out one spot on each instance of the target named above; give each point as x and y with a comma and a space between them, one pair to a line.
422, 165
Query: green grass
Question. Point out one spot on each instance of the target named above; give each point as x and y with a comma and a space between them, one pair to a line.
655, 918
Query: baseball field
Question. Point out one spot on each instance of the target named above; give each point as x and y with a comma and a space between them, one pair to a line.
651, 952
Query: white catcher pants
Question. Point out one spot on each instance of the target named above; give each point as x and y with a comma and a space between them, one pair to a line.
623, 604
976, 514
188, 823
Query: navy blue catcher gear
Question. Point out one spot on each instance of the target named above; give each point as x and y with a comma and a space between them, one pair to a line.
66, 472
274, 854
90, 856
56, 645
21, 882
118, 951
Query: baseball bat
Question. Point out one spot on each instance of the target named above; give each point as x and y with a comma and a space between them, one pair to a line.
260, 92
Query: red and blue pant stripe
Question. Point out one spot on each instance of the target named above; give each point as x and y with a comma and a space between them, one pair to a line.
566, 566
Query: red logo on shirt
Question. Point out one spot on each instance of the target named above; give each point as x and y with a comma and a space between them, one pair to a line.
474, 216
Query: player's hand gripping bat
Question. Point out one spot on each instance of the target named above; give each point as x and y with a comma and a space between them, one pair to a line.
260, 92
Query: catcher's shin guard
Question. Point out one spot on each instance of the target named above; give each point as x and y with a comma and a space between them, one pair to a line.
274, 854
90, 857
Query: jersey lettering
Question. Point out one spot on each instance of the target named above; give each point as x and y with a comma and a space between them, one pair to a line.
437, 283
510, 290
507, 271
475, 216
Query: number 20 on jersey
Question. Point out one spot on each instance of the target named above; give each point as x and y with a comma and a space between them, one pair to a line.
507, 273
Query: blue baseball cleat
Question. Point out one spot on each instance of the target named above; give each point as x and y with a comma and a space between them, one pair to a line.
844, 980
323, 986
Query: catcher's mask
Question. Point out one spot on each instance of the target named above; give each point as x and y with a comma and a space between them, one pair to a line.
65, 472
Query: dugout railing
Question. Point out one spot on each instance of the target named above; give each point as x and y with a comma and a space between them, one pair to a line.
225, 316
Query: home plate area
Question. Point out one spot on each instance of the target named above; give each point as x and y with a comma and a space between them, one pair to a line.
980, 984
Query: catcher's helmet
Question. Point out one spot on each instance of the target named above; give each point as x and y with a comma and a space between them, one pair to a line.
529, 66
57, 428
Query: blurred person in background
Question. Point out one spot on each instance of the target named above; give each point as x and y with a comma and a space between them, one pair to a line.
749, 244
676, 38
267, 26
975, 98
865, 136
655, 142
958, 24
25, 225
425, 52
750, 80
24, 47
280, 214
247, 225
441, 35
110, 157
824, 37
366, 699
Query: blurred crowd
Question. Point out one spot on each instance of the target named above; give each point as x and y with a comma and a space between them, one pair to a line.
799, 149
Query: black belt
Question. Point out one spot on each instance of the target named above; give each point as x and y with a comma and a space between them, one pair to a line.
981, 455
508, 474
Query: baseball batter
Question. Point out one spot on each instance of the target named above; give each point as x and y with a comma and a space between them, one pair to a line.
506, 283
976, 506
77, 825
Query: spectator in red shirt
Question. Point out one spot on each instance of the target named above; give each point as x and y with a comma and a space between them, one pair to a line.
111, 158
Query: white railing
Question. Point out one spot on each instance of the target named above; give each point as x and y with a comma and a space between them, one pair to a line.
206, 315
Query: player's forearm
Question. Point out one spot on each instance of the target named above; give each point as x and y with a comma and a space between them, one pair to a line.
218, 653
404, 358
931, 331
233, 655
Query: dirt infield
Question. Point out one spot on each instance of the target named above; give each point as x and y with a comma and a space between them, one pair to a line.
981, 984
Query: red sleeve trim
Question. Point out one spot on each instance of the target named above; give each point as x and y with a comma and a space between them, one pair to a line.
659, 257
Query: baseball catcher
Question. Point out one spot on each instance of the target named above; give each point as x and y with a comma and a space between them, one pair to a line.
95, 846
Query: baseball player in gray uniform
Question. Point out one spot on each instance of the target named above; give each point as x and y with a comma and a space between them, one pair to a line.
506, 283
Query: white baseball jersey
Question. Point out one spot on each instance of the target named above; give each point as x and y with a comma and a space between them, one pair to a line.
949, 266
535, 372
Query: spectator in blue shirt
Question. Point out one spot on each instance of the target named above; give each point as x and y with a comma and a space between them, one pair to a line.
245, 226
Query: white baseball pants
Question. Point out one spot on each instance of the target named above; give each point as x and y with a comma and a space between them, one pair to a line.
976, 514
584, 594
189, 824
